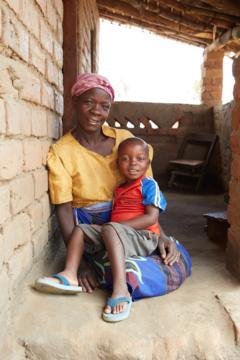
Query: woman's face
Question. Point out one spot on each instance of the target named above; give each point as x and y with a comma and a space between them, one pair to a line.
92, 109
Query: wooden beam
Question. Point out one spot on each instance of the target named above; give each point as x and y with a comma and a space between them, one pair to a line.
167, 33
126, 8
224, 39
70, 58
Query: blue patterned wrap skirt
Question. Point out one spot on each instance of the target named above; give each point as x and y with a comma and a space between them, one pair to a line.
145, 276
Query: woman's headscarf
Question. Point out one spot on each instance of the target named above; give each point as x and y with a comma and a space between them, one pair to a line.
87, 81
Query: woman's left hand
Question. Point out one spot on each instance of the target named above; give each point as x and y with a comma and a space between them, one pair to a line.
168, 250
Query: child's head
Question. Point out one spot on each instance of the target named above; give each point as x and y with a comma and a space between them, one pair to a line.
133, 158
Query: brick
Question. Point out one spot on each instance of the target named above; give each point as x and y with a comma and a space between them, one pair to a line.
5, 295
32, 154
15, 36
53, 125
58, 103
21, 263
14, 5
29, 87
46, 208
5, 203
7, 74
35, 212
58, 54
11, 158
43, 5
40, 178
51, 16
59, 7
39, 122
52, 73
22, 193
18, 118
45, 149
2, 117
60, 82
47, 96
1, 254
30, 17
20, 226
40, 240
1, 23
46, 37
37, 56
60, 32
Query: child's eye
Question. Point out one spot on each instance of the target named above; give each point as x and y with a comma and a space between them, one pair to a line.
124, 158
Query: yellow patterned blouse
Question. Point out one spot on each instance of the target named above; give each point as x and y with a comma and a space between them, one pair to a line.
80, 175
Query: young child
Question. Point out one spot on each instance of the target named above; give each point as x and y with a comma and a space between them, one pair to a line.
133, 230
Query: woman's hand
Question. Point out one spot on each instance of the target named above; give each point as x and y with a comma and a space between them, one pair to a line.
87, 278
168, 251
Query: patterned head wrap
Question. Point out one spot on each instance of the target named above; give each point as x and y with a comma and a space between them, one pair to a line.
85, 82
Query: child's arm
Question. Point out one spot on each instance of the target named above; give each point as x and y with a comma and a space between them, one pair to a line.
142, 222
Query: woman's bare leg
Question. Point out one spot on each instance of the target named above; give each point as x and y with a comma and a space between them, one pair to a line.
116, 256
75, 248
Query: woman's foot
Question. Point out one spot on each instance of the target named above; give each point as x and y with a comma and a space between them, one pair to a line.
120, 307
69, 276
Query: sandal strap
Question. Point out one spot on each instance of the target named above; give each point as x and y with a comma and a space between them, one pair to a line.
113, 302
61, 278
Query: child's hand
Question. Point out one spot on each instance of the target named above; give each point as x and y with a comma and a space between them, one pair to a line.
168, 250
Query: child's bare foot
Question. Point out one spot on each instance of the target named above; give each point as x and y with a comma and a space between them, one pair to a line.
120, 306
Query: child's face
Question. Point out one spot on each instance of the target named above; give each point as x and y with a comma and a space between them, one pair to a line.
133, 161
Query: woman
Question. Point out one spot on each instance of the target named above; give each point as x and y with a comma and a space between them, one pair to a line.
82, 177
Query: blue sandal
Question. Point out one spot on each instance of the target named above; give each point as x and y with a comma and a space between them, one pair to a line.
64, 287
122, 315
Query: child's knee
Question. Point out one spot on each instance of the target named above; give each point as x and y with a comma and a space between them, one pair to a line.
107, 230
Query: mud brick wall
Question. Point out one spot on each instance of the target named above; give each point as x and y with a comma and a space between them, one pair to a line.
223, 128
88, 27
233, 248
31, 108
212, 77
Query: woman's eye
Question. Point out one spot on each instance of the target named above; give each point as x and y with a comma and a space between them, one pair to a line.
106, 107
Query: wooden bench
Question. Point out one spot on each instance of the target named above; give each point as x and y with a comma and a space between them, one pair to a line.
217, 227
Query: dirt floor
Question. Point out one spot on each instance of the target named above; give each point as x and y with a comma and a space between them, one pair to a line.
201, 320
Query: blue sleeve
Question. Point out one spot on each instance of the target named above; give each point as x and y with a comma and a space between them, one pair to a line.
152, 194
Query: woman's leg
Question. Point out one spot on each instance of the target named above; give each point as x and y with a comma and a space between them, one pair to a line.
75, 248
116, 256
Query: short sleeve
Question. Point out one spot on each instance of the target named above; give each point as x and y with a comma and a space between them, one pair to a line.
60, 181
152, 194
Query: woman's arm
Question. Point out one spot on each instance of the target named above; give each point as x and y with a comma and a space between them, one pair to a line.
65, 219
